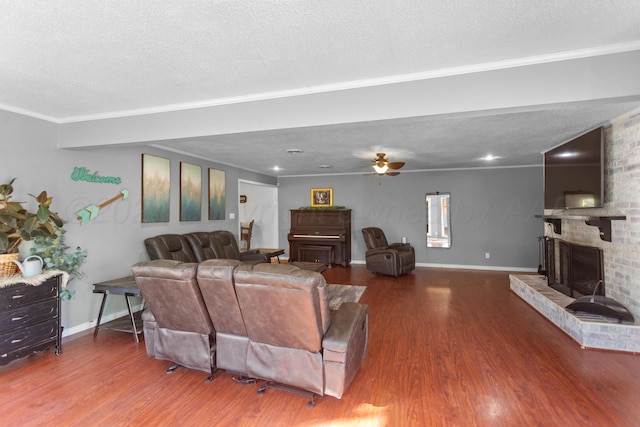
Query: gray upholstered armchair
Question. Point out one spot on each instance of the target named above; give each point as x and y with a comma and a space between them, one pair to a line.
177, 326
295, 342
381, 257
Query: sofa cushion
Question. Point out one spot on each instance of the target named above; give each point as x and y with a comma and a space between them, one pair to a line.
170, 246
202, 245
276, 288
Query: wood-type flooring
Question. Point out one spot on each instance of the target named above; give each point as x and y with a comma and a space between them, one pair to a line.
446, 348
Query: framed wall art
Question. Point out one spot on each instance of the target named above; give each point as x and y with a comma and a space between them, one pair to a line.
156, 188
321, 197
190, 192
217, 194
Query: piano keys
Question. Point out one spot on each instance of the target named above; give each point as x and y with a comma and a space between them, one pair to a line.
320, 236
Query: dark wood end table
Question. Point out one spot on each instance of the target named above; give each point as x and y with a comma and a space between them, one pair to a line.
271, 252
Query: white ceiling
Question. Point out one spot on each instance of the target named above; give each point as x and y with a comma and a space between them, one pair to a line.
92, 62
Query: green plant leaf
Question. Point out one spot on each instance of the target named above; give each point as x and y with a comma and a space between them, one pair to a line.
18, 224
43, 213
30, 224
7, 223
4, 242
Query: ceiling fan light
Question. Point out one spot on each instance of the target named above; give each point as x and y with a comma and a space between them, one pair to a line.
380, 169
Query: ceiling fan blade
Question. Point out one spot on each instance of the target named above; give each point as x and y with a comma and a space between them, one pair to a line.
392, 173
395, 165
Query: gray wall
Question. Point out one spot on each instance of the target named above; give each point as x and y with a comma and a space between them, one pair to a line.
492, 210
114, 240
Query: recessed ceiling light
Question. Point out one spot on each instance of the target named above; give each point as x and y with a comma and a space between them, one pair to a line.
490, 157
567, 154
325, 166
276, 168
294, 151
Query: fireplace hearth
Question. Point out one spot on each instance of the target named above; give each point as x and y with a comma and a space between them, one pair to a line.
589, 330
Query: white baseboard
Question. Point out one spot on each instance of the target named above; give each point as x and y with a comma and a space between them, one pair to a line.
460, 266
479, 267
105, 318
466, 267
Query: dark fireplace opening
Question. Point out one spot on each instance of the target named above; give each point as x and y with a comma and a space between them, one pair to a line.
580, 267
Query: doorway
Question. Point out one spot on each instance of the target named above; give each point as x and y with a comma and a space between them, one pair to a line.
259, 202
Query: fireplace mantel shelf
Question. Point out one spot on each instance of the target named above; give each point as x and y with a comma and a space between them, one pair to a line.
603, 222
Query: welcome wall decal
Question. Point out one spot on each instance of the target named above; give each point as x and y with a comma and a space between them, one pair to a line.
83, 174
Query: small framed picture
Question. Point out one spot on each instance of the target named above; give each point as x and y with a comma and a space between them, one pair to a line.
321, 197
243, 198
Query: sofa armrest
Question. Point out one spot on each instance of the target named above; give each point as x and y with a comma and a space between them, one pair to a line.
254, 258
249, 252
349, 320
377, 251
344, 346
401, 246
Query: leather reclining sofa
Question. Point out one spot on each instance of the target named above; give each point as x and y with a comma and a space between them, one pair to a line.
265, 321
199, 247
182, 253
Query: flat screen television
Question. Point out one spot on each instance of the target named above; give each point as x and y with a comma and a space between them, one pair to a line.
574, 173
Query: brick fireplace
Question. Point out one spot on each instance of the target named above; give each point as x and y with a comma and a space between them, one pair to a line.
620, 256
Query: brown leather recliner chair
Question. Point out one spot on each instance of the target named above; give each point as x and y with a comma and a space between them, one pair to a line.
170, 246
294, 339
226, 247
215, 278
180, 329
381, 257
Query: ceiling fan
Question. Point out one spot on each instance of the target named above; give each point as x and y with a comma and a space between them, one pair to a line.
382, 165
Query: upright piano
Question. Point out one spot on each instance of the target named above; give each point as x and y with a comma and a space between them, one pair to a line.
320, 236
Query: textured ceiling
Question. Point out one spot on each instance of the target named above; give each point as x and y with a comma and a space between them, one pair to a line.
423, 142
71, 61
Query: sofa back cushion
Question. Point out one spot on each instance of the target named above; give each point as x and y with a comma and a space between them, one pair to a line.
225, 245
171, 290
202, 245
374, 238
169, 246
283, 305
215, 277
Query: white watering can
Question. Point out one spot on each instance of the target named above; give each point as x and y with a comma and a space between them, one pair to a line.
31, 266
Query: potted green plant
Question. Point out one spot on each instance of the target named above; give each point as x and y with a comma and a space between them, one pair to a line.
55, 256
18, 225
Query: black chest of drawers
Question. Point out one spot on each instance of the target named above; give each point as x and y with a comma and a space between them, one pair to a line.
29, 319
